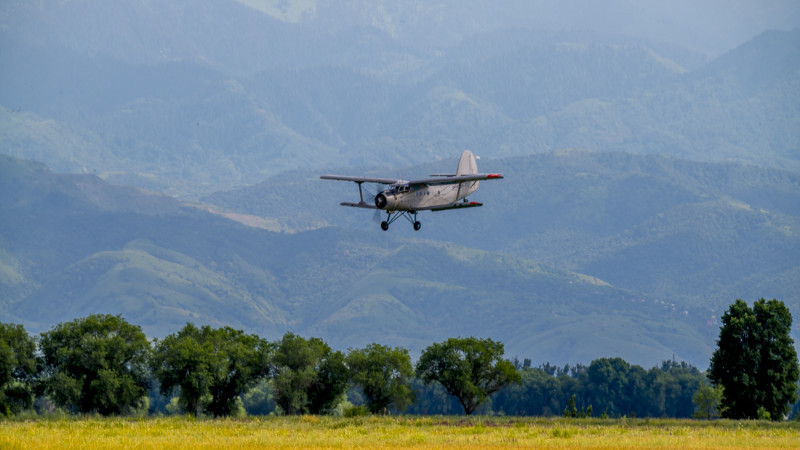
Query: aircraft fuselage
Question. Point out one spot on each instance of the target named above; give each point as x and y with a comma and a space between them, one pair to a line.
404, 197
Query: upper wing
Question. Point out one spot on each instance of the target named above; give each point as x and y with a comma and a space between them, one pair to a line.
452, 179
362, 179
437, 179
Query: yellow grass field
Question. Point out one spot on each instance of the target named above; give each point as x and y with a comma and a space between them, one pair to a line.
392, 432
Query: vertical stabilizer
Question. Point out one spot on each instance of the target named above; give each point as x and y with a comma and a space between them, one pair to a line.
467, 164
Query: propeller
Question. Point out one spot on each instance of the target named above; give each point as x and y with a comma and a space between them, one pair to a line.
371, 191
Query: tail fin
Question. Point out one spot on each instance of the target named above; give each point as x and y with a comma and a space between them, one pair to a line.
467, 164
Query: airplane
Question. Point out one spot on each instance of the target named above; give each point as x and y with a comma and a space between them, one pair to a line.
439, 193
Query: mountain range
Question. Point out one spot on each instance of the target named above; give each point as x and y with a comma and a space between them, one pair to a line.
161, 160
193, 121
650, 287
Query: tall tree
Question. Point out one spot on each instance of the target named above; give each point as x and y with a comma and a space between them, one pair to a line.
755, 360
240, 362
308, 377
180, 360
470, 369
17, 368
95, 364
213, 364
383, 374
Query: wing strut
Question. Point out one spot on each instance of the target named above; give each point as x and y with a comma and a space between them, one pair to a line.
360, 194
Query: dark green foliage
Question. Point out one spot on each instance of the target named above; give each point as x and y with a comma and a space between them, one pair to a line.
17, 369
548, 390
383, 375
215, 365
307, 376
572, 411
259, 400
708, 400
433, 399
614, 384
470, 369
95, 364
356, 411
755, 361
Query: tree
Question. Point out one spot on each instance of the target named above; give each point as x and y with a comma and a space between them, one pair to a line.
95, 364
755, 361
708, 400
308, 377
470, 369
17, 368
383, 375
608, 384
180, 360
239, 362
215, 365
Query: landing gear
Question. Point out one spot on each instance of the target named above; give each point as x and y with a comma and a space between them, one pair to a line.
392, 216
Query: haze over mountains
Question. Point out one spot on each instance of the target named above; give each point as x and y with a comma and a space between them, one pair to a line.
652, 163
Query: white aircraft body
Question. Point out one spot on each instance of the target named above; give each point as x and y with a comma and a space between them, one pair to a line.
438, 193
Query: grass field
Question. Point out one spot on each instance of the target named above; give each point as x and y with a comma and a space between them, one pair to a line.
393, 432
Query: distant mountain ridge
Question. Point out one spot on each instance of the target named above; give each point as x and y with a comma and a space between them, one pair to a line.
242, 33
189, 126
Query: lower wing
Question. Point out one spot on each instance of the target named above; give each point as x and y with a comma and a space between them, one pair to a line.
364, 205
458, 205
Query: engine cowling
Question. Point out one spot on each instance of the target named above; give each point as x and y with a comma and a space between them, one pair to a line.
387, 202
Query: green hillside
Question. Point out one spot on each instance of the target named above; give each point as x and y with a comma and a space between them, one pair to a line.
69, 254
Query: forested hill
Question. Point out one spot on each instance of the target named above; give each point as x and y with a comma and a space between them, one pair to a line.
73, 245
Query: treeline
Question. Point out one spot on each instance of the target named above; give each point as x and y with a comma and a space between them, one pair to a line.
607, 387
103, 364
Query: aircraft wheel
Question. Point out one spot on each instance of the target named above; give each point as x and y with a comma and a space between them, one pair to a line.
417, 226
384, 225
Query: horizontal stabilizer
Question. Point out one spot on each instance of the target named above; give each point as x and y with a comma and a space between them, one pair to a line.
458, 206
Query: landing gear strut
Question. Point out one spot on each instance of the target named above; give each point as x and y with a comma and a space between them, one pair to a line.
392, 216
